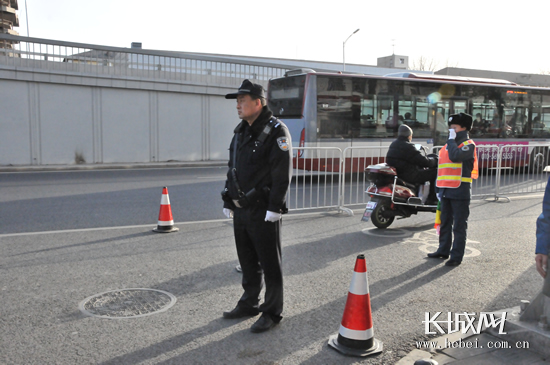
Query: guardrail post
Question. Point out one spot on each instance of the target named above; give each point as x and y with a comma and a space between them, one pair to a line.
341, 180
499, 172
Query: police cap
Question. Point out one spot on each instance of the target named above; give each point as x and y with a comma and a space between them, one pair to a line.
248, 87
461, 119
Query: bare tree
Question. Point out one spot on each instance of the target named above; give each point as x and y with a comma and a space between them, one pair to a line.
423, 63
449, 63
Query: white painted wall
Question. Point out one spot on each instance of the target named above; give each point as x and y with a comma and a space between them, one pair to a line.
45, 122
15, 141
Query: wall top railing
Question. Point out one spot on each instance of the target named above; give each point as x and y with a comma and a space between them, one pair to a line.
60, 56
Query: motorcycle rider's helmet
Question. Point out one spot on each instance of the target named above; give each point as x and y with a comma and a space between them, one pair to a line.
462, 119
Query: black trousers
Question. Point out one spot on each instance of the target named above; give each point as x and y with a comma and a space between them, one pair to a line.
454, 222
259, 251
421, 176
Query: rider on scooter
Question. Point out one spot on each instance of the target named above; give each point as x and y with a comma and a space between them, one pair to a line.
411, 165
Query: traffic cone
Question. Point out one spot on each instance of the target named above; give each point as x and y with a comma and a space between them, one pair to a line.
356, 337
166, 222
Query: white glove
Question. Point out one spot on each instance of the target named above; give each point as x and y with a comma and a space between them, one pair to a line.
228, 212
452, 134
272, 216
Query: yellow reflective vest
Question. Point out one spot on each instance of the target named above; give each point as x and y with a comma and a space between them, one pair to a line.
449, 173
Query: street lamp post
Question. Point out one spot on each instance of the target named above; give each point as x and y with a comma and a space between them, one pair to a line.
344, 49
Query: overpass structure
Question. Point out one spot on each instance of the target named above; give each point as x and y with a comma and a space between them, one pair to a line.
65, 103
69, 103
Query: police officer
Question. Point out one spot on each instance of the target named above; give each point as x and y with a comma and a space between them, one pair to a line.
457, 167
260, 170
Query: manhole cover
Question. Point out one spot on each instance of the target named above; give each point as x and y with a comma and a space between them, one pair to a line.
127, 303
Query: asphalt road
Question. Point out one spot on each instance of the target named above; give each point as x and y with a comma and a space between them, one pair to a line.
45, 276
45, 201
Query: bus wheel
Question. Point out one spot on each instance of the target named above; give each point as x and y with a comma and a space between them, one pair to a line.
538, 160
378, 218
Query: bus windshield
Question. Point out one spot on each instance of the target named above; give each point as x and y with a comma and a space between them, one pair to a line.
286, 96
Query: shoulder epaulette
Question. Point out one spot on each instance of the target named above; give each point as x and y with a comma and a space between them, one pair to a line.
267, 129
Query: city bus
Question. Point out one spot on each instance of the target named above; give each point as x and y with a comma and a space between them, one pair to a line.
351, 110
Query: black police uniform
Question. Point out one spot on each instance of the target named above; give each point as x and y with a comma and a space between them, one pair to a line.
263, 165
455, 202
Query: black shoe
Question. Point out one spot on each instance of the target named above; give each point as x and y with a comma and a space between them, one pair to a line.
437, 255
265, 323
452, 262
240, 312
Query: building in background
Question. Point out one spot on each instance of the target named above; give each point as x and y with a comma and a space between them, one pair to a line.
8, 20
393, 61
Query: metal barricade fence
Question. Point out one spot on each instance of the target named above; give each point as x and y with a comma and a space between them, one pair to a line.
327, 177
521, 169
354, 180
485, 185
316, 179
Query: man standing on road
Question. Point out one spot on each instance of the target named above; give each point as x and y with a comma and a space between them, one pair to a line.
457, 167
543, 234
260, 170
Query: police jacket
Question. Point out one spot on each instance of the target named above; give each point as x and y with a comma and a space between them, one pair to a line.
466, 155
407, 159
271, 159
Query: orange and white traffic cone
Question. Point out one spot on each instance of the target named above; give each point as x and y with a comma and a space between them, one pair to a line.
166, 222
356, 337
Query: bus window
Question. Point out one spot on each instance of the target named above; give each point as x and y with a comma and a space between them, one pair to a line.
369, 125
541, 122
460, 106
483, 114
415, 115
335, 107
285, 96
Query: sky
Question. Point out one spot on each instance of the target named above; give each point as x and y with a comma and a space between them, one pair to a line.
482, 34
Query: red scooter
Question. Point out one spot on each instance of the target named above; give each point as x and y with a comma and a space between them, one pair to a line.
391, 196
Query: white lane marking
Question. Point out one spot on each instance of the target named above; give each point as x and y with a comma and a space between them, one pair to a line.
151, 225
432, 241
101, 229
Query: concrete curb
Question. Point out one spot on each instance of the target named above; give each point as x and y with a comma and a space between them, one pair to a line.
120, 166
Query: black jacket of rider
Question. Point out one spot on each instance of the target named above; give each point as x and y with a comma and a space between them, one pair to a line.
407, 160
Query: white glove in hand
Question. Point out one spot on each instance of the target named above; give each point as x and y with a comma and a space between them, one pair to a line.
272, 216
452, 134
228, 212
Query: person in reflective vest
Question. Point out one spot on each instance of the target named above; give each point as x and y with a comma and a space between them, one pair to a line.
456, 170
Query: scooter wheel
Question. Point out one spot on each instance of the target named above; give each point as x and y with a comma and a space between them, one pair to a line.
377, 216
